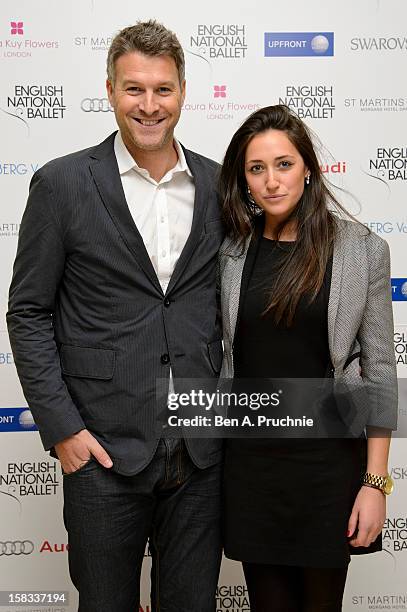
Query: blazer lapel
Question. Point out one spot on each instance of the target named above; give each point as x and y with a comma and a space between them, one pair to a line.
349, 287
203, 185
335, 290
232, 282
106, 175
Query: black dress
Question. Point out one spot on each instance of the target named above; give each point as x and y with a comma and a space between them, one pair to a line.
287, 501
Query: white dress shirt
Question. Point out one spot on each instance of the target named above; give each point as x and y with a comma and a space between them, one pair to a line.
161, 211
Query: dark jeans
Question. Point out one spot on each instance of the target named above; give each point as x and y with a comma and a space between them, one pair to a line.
109, 518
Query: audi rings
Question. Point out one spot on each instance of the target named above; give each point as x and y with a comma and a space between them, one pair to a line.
96, 105
18, 547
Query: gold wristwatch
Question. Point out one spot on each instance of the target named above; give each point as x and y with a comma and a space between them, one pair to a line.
383, 483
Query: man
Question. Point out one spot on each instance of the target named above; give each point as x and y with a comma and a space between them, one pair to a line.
114, 289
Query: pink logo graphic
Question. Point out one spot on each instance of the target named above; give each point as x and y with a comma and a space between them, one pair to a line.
17, 27
219, 91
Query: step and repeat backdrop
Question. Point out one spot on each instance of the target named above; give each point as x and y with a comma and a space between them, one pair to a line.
340, 65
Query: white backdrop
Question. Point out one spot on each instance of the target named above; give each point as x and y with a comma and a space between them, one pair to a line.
351, 88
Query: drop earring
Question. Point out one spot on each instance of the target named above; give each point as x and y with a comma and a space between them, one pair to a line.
249, 195
307, 179
254, 207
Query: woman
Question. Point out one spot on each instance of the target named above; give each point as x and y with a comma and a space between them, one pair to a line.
305, 294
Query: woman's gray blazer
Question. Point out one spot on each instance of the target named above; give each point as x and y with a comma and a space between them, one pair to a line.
360, 319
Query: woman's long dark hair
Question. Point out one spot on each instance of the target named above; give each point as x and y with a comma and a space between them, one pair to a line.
303, 271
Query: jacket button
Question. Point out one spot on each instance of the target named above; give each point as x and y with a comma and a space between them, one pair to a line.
167, 302
165, 358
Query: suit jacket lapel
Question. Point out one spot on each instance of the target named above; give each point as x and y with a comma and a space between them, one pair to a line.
106, 175
203, 185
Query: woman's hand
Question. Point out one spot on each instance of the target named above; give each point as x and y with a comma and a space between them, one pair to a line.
367, 518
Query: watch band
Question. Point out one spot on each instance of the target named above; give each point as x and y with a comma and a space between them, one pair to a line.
383, 483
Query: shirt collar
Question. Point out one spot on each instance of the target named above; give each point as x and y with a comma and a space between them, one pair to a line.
126, 162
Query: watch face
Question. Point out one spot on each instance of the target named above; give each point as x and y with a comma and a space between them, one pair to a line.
388, 487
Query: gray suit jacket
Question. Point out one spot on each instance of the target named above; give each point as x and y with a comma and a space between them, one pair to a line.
360, 320
90, 327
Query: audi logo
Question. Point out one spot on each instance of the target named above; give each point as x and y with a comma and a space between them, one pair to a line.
96, 105
18, 547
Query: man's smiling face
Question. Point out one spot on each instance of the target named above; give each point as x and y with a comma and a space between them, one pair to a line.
147, 98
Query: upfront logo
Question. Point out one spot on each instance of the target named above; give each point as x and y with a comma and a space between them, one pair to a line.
313, 44
392, 43
16, 419
399, 289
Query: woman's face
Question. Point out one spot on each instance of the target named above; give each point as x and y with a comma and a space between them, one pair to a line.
275, 173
